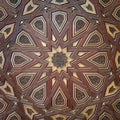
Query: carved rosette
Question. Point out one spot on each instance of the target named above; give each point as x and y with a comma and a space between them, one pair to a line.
59, 60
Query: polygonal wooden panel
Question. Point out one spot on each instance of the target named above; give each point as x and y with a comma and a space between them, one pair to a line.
7, 30
59, 2
39, 94
19, 59
116, 13
24, 39
29, 8
39, 24
105, 3
14, 115
13, 3
89, 7
24, 79
59, 19
94, 39
79, 25
3, 105
3, 13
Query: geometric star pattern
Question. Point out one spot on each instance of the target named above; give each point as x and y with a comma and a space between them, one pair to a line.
59, 60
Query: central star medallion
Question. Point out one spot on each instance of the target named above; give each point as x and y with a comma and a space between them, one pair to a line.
59, 59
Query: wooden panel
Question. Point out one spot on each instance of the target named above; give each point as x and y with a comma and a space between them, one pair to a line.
59, 60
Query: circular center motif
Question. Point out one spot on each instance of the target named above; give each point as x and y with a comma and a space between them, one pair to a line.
59, 59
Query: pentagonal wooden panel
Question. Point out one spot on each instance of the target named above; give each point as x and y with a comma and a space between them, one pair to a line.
59, 60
